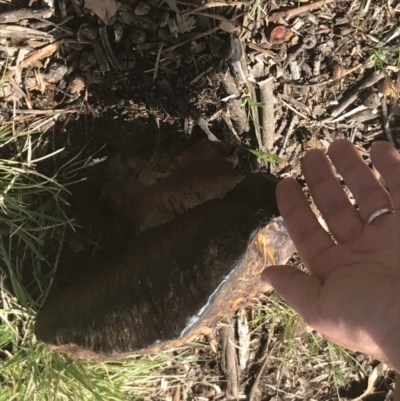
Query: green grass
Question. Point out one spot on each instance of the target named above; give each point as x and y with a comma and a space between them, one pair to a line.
33, 209
385, 55
266, 156
31, 371
298, 341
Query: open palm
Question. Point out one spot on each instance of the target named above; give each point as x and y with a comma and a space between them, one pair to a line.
352, 295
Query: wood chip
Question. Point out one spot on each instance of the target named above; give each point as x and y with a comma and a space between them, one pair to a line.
44, 52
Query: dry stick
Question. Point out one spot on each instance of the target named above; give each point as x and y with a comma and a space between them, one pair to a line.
294, 12
46, 51
351, 96
25, 13
47, 112
157, 64
107, 46
267, 110
288, 134
329, 81
229, 362
260, 49
193, 38
385, 120
217, 17
213, 4
263, 366
293, 109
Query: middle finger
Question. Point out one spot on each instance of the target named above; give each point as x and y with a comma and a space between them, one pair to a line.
342, 218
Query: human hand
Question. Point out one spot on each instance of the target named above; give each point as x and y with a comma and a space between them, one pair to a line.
352, 295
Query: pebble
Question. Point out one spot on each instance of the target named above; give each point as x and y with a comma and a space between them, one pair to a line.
137, 36
127, 59
142, 9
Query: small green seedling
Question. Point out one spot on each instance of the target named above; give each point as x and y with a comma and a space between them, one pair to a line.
249, 103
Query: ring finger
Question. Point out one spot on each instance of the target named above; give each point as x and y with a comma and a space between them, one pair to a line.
367, 190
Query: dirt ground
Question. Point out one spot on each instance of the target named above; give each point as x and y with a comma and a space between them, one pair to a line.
121, 85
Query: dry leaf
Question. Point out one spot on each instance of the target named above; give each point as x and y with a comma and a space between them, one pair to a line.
104, 9
227, 26
172, 5
378, 370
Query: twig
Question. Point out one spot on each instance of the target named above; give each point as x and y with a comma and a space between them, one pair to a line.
293, 109
351, 96
157, 64
385, 120
217, 17
16, 87
46, 112
349, 114
267, 113
25, 13
260, 49
191, 39
107, 46
263, 366
22, 32
288, 133
294, 12
213, 4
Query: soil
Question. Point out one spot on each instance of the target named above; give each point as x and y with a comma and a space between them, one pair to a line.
177, 86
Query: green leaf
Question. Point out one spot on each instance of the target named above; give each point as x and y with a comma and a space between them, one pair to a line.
268, 157
248, 101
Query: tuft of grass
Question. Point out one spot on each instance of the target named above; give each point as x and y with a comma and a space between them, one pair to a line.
33, 209
385, 55
297, 340
32, 371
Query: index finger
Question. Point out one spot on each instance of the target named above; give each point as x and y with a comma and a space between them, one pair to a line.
308, 236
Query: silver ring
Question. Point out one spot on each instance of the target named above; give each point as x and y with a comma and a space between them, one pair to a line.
378, 213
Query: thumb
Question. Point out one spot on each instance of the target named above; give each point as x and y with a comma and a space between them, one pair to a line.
298, 289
